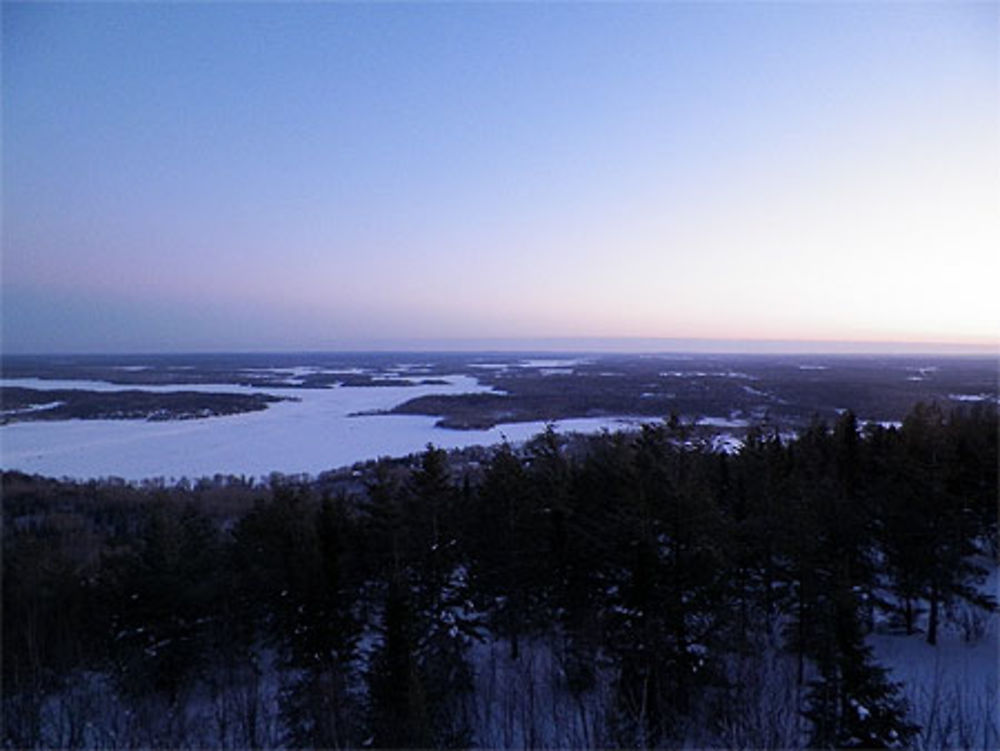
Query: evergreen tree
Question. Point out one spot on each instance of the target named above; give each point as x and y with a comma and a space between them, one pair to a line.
851, 703
757, 510
571, 555
932, 528
665, 628
398, 712
320, 707
428, 614
294, 560
162, 599
507, 550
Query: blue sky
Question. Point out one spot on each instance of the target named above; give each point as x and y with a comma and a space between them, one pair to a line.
278, 176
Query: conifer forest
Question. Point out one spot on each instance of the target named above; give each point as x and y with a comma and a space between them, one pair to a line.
619, 590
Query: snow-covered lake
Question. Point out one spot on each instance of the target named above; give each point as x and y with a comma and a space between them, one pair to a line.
309, 436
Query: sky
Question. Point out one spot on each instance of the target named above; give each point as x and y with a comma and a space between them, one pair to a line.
275, 176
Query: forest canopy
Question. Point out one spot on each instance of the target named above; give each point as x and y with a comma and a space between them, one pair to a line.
630, 589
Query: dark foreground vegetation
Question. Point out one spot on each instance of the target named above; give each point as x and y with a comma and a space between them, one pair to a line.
636, 591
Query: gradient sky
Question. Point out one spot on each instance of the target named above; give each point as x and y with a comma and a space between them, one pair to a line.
274, 176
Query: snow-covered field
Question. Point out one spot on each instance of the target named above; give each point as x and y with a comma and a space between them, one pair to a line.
312, 435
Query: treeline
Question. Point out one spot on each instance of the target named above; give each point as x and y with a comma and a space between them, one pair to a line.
646, 581
26, 404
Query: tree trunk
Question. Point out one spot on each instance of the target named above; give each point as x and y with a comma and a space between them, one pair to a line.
932, 622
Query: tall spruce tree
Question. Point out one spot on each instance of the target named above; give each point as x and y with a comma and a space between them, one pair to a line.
851, 703
507, 549
420, 673
932, 527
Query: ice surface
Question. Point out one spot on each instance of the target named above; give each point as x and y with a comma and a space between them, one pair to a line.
554, 362
706, 374
722, 422
31, 408
44, 384
308, 436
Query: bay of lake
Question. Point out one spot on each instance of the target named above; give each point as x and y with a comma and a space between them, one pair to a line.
312, 435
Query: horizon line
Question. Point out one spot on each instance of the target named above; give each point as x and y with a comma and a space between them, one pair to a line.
573, 345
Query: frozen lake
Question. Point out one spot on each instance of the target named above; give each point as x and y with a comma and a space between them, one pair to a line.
310, 436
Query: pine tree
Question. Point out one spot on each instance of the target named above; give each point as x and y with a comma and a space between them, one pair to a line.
507, 549
293, 559
162, 601
320, 707
852, 704
757, 510
932, 526
665, 628
421, 674
571, 557
398, 712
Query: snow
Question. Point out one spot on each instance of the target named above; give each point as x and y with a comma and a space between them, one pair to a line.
724, 443
722, 422
524, 703
558, 362
304, 370
396, 377
813, 367
952, 688
31, 408
312, 435
44, 384
415, 366
706, 374
554, 365
971, 397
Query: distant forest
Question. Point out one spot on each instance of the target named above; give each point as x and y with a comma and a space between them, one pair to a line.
630, 590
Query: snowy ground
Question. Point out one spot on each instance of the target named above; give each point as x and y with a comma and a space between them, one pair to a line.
952, 687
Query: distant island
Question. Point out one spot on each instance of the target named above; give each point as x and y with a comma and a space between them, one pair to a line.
741, 389
26, 404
